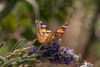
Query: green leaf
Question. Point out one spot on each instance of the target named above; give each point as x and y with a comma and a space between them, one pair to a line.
9, 22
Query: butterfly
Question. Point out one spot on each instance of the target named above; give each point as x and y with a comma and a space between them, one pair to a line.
45, 35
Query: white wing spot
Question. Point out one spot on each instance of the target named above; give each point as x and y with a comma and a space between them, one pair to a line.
40, 21
62, 31
48, 31
43, 25
64, 26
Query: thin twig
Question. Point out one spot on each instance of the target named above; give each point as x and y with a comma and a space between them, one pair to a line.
32, 43
9, 61
2, 58
2, 44
15, 46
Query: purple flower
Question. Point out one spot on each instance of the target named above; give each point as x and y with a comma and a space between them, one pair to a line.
55, 46
32, 50
55, 53
68, 60
62, 57
42, 47
50, 50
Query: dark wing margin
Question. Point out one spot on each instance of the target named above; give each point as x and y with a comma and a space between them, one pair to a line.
59, 32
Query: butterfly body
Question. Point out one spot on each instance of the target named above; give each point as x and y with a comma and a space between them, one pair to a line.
45, 35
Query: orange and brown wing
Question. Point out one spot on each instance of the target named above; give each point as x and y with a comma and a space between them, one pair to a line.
44, 35
59, 32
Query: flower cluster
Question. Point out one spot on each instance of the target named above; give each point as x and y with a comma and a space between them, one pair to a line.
54, 54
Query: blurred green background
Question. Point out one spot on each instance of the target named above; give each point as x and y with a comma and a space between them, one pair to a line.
17, 21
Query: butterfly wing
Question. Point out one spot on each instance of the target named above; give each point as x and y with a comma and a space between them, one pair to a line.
44, 35
59, 32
